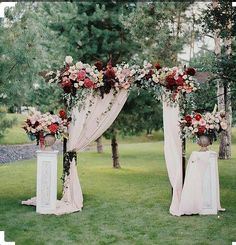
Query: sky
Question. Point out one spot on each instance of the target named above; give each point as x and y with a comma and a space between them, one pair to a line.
5, 4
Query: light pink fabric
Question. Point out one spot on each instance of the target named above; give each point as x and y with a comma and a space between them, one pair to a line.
192, 194
89, 122
173, 153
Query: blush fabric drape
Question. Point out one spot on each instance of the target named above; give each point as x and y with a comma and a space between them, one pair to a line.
88, 123
173, 153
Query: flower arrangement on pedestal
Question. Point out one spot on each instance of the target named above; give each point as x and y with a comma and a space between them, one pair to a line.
77, 80
45, 128
203, 126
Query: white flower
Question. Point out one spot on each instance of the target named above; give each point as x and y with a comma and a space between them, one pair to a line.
79, 65
76, 85
211, 126
224, 125
88, 70
68, 60
185, 77
81, 83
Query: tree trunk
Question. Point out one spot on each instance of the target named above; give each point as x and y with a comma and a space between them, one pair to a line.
115, 152
225, 137
223, 96
99, 145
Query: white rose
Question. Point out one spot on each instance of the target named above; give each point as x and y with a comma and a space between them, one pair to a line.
81, 83
223, 125
79, 65
68, 59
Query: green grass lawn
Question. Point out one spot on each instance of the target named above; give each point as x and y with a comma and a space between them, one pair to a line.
126, 206
15, 135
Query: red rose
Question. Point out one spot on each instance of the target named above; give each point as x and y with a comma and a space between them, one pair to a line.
158, 66
81, 75
180, 81
53, 128
201, 130
62, 114
190, 71
88, 83
110, 73
188, 119
170, 81
198, 116
99, 65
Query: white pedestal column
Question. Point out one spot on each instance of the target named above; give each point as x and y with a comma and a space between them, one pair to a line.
210, 186
46, 182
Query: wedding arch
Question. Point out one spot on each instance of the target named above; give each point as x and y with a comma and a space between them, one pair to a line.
94, 96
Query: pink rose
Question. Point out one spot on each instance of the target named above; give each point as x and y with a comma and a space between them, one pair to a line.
125, 85
202, 122
88, 83
81, 75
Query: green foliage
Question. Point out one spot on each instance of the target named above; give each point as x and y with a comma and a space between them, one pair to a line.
14, 134
158, 28
219, 18
5, 123
141, 112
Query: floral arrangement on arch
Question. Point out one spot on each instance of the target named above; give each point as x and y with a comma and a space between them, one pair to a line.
38, 125
174, 81
208, 124
79, 79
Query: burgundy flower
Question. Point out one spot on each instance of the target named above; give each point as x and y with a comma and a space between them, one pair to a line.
62, 114
88, 83
198, 116
66, 85
180, 81
28, 122
36, 124
201, 130
188, 119
110, 73
149, 75
53, 128
190, 71
170, 81
158, 66
99, 65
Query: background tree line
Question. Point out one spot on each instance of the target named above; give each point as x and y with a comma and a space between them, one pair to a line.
37, 36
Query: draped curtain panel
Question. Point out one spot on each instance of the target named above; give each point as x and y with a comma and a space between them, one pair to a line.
173, 153
88, 123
